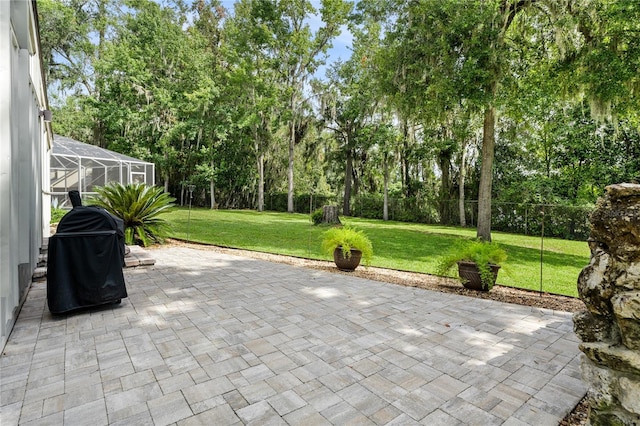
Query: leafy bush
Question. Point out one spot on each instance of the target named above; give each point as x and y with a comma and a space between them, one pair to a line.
138, 205
370, 206
347, 238
316, 216
57, 214
561, 221
479, 252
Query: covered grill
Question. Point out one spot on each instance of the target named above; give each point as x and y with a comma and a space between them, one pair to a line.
85, 260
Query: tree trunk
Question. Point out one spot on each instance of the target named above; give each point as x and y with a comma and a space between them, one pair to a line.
212, 188
404, 160
346, 210
259, 153
486, 175
98, 134
292, 145
98, 124
463, 218
385, 207
260, 164
445, 188
330, 214
260, 182
166, 173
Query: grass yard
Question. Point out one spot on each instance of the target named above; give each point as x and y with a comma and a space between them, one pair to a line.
396, 245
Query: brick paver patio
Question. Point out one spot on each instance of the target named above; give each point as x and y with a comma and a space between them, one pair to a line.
212, 339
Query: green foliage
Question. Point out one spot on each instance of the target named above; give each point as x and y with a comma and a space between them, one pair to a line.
139, 206
402, 246
303, 203
212, 97
316, 216
57, 214
64, 33
480, 252
280, 38
606, 65
347, 238
401, 208
368, 206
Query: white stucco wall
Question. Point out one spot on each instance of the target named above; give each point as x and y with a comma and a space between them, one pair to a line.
25, 140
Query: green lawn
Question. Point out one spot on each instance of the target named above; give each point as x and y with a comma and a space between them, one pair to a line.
396, 245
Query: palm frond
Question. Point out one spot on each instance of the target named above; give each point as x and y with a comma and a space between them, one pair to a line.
139, 206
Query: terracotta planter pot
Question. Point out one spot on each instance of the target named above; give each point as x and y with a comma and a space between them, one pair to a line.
470, 275
347, 264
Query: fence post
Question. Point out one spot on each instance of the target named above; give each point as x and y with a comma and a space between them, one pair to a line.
541, 249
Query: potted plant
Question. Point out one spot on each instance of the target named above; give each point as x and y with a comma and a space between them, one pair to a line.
348, 246
478, 263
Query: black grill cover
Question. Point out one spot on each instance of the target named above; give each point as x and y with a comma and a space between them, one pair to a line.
85, 260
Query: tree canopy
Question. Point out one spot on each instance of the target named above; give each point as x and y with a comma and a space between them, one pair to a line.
479, 104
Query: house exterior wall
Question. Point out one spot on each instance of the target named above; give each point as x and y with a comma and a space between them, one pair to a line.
25, 142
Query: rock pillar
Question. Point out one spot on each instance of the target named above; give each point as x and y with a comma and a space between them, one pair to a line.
610, 326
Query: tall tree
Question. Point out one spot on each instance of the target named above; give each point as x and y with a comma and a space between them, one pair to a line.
296, 51
147, 74
68, 53
254, 74
349, 105
73, 36
445, 53
211, 109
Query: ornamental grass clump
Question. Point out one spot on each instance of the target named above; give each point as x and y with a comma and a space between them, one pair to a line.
347, 238
483, 254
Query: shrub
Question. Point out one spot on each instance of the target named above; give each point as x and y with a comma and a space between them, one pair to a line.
347, 238
57, 214
370, 206
480, 252
316, 216
139, 206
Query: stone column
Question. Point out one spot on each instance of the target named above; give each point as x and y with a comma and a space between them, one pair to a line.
610, 326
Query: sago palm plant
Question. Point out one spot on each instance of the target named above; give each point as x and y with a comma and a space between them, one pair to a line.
139, 206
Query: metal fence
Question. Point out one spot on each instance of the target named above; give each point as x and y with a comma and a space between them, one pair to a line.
556, 220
